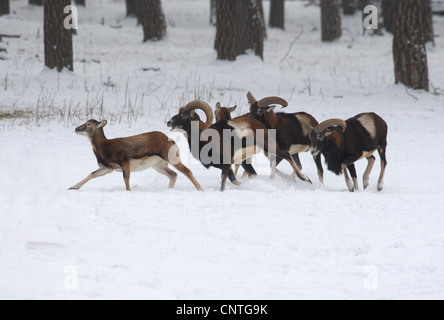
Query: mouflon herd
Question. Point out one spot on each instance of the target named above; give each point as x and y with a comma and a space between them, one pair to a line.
231, 142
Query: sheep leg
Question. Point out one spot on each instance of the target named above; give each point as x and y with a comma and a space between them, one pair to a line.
290, 160
126, 174
232, 177
296, 159
224, 176
381, 151
348, 181
163, 169
249, 169
187, 172
366, 179
317, 160
352, 169
96, 174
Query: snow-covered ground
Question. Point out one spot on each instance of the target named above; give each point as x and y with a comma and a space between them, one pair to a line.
267, 239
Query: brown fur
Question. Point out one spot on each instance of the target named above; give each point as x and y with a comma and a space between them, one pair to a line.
117, 154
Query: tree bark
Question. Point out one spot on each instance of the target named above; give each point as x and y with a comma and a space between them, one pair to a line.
152, 18
58, 39
262, 17
36, 2
387, 13
277, 14
4, 7
409, 51
239, 28
131, 8
428, 22
349, 7
330, 20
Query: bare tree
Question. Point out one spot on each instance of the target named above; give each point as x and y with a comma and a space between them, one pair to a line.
331, 20
57, 38
239, 28
152, 18
4, 7
277, 14
409, 51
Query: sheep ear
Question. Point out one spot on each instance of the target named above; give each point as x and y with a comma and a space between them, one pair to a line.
327, 134
102, 124
271, 108
218, 106
232, 109
192, 113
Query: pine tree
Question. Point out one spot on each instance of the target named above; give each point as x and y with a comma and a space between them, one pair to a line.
58, 39
387, 13
331, 20
152, 18
131, 8
36, 2
239, 28
409, 51
428, 22
4, 7
277, 14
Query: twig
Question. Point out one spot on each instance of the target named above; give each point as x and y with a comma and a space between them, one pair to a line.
411, 95
292, 43
9, 35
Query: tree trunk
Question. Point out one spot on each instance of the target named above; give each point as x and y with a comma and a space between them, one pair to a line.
4, 7
239, 28
387, 13
349, 7
262, 17
277, 14
152, 18
80, 2
331, 20
36, 2
409, 51
131, 8
428, 22
58, 39
213, 12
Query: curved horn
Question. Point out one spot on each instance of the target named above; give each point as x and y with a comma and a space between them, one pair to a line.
265, 102
329, 123
197, 104
251, 98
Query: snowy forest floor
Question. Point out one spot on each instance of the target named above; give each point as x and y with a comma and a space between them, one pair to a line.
268, 238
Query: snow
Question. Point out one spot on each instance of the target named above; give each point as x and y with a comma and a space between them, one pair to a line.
267, 239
